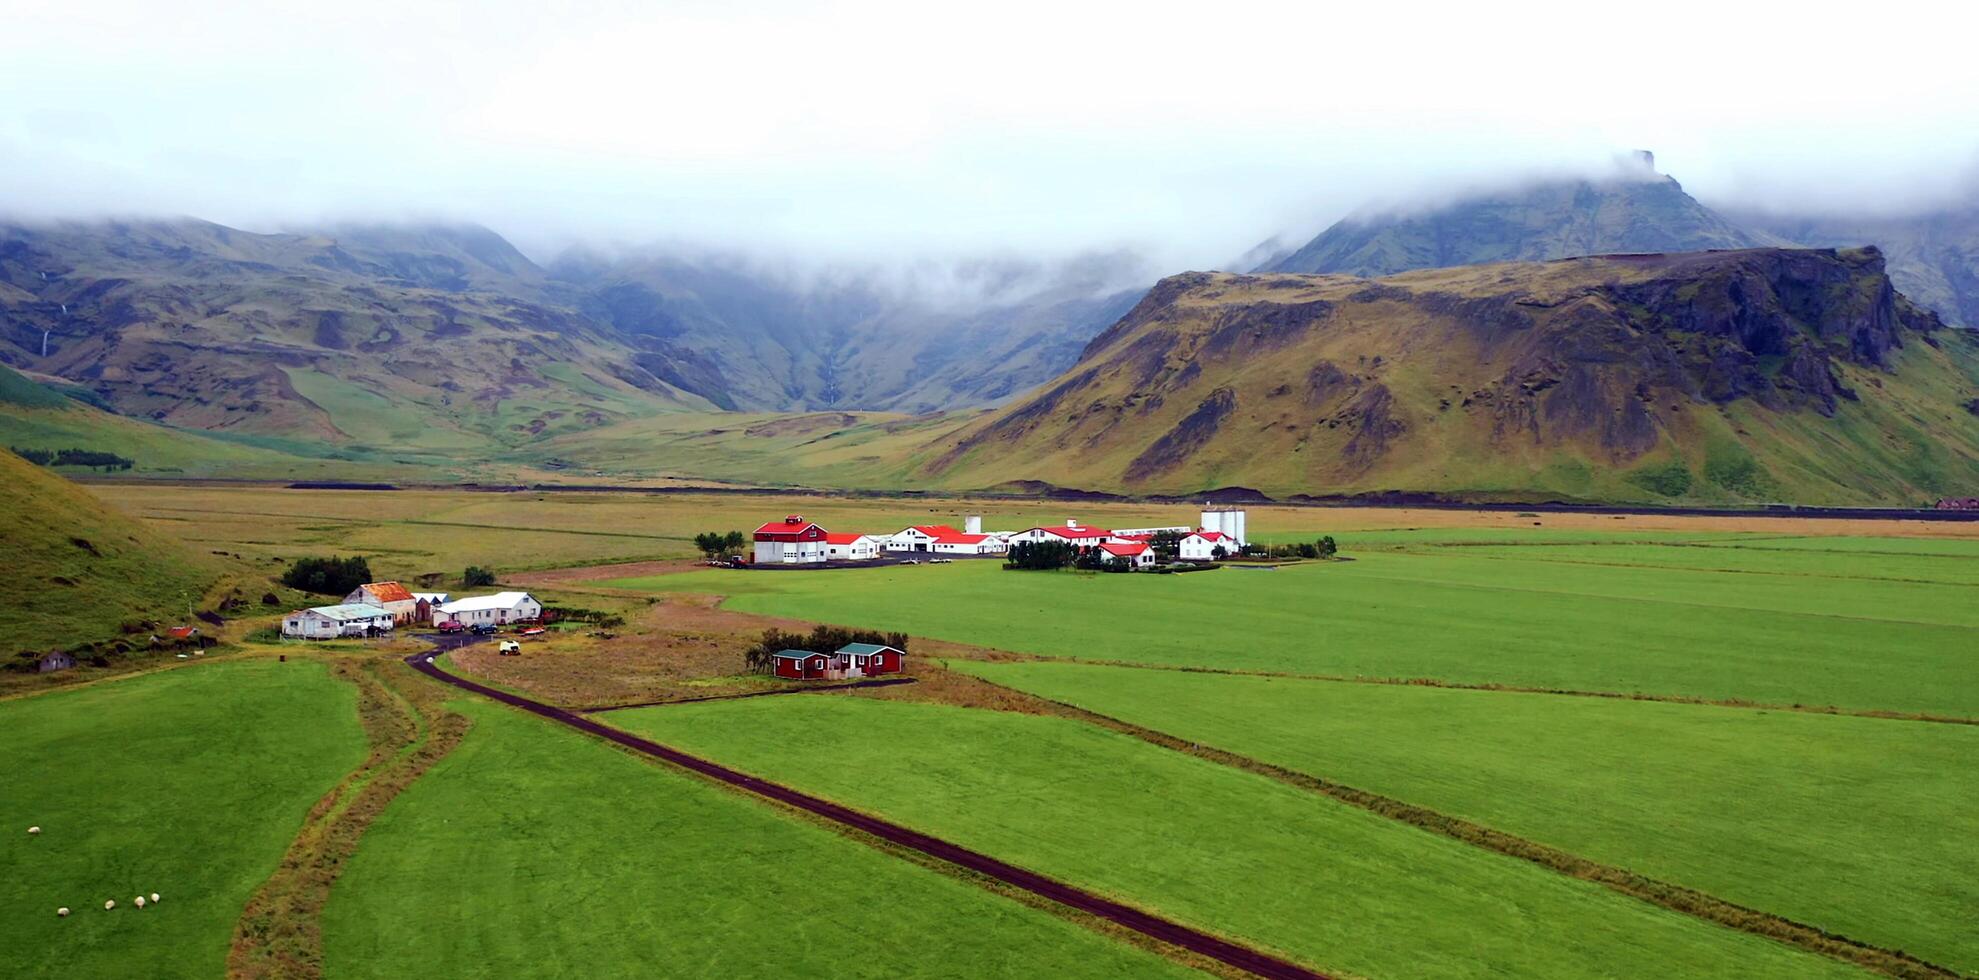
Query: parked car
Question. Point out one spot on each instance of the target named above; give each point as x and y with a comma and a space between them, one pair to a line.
510, 648
484, 629
452, 626
911, 561
940, 561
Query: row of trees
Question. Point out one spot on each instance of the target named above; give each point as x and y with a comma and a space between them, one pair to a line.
75, 457
327, 576
716, 543
822, 639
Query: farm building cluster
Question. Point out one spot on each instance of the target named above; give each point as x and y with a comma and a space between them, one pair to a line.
795, 540
376, 608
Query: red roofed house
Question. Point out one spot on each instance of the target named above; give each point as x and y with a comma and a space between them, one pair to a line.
1202, 545
1070, 532
851, 547
389, 596
1136, 553
790, 541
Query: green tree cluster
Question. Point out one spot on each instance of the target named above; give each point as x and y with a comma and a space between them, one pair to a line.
327, 576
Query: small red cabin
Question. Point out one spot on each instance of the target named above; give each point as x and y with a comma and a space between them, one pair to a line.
870, 659
801, 664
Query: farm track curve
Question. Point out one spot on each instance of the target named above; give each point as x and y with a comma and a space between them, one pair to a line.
1147, 924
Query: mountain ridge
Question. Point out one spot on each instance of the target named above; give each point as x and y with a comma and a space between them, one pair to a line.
1724, 376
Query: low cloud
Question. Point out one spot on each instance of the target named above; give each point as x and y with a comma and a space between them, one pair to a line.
941, 143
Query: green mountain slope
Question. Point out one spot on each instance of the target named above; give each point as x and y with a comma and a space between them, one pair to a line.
1636, 211
434, 342
35, 415
1757, 375
77, 568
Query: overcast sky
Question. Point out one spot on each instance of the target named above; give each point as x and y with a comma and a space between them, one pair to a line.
879, 131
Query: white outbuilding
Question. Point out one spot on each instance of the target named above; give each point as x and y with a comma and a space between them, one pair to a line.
496, 610
331, 622
852, 547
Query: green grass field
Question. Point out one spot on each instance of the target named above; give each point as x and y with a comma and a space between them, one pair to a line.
534, 851
1861, 826
187, 782
1336, 887
1816, 639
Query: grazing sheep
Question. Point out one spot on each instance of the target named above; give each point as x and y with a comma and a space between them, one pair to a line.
111, 904
34, 830
63, 911
154, 898
138, 901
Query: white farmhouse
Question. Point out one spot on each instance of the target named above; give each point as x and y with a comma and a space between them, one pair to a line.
1070, 532
494, 610
942, 539
330, 622
1136, 553
1203, 546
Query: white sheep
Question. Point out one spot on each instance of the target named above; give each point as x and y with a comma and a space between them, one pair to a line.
34, 830
138, 901
63, 911
111, 904
154, 898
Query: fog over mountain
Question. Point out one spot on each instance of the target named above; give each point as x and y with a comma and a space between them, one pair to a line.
915, 138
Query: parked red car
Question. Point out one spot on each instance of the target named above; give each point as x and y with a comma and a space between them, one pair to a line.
452, 626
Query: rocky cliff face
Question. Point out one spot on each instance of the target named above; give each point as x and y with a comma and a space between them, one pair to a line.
1576, 372
1933, 256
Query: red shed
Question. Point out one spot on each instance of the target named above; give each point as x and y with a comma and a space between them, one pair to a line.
801, 664
871, 658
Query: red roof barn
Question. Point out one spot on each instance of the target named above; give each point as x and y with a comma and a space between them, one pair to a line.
792, 540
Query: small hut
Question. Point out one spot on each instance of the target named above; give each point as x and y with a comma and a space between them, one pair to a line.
57, 660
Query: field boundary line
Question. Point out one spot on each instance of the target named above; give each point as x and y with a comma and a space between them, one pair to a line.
1146, 923
1711, 571
279, 932
1489, 687
1418, 582
1675, 898
853, 686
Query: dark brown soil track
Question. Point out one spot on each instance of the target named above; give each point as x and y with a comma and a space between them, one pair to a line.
1145, 923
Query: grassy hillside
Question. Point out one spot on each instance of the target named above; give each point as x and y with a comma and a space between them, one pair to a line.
1762, 375
34, 415
77, 568
426, 342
